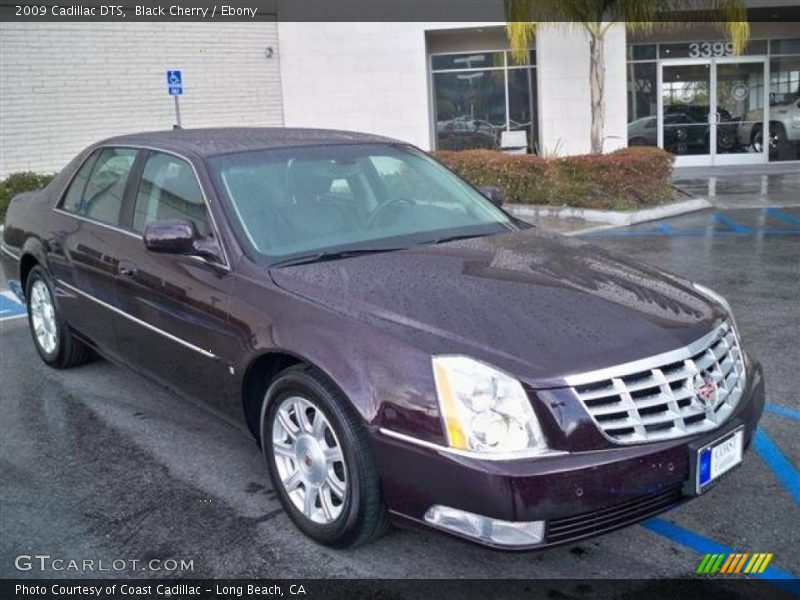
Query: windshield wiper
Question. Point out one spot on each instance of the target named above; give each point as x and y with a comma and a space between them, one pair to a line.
329, 255
453, 238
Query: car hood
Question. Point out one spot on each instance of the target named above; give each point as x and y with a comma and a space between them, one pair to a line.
542, 304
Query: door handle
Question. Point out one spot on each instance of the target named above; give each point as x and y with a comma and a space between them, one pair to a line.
126, 269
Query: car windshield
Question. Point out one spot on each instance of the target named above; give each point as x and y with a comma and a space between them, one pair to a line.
303, 204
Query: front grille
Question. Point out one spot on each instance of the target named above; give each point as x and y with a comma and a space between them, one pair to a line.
614, 517
666, 396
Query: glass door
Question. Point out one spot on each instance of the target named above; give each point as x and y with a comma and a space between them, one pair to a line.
684, 115
712, 111
741, 108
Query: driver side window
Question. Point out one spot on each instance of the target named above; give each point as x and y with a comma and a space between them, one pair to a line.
169, 190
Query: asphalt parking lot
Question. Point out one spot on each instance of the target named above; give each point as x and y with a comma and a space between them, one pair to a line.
98, 462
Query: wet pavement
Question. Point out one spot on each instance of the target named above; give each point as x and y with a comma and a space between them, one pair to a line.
96, 462
742, 186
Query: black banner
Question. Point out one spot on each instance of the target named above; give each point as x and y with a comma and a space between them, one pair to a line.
442, 589
310, 10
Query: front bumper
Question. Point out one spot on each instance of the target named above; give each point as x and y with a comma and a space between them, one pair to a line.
579, 494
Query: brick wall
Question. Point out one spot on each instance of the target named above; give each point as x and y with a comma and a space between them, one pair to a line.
66, 85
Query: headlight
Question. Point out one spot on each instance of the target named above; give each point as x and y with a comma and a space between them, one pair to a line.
483, 409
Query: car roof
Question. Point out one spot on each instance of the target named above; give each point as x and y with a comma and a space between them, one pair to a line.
227, 140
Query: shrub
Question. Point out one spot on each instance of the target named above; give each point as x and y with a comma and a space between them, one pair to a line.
627, 179
16, 183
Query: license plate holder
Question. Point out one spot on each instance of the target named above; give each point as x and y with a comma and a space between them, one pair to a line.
709, 461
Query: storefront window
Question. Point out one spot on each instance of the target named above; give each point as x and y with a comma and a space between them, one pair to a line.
522, 102
474, 60
790, 46
642, 104
738, 97
784, 109
470, 109
642, 52
478, 96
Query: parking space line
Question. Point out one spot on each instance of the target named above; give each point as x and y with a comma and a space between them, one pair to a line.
703, 545
729, 223
782, 411
10, 307
707, 232
777, 463
665, 229
779, 214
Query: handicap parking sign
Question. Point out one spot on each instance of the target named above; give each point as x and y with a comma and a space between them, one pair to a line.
174, 83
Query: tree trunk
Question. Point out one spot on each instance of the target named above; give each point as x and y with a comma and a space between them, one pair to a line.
597, 80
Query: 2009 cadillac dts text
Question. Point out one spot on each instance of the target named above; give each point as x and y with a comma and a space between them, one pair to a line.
401, 348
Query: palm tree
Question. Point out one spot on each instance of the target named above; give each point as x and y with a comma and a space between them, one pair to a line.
597, 16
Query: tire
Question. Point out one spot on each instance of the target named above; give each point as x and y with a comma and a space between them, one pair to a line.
777, 141
58, 347
354, 515
757, 139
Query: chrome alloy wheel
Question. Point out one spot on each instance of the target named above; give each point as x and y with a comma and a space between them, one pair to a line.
309, 460
43, 317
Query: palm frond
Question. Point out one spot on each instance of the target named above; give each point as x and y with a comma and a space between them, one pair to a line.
729, 16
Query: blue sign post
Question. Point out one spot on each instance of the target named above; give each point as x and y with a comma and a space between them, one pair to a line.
175, 89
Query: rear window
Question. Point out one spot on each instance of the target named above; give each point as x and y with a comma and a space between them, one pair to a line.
97, 190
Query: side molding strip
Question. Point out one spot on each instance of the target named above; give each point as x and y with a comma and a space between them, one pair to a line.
176, 339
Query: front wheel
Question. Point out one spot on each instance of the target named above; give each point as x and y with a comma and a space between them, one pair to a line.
52, 337
320, 460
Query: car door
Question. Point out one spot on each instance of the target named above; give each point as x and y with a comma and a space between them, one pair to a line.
180, 332
84, 242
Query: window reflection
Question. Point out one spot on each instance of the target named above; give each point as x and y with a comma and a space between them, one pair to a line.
784, 110
480, 95
470, 109
642, 104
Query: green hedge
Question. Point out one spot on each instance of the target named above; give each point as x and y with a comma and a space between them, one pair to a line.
627, 179
16, 183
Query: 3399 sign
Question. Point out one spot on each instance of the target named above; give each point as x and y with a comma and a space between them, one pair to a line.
41, 10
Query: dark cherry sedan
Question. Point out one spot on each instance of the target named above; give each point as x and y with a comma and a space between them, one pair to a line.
401, 347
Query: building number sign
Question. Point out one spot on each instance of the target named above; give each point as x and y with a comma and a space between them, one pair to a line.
709, 49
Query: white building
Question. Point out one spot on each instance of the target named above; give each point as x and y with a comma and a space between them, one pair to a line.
435, 85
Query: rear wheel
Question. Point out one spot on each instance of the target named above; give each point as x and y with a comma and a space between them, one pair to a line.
320, 460
776, 142
51, 335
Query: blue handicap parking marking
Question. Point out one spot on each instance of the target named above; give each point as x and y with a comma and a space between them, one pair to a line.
782, 216
782, 411
730, 224
777, 462
10, 307
717, 224
703, 545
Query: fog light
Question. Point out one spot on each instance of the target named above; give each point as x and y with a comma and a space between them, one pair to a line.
485, 529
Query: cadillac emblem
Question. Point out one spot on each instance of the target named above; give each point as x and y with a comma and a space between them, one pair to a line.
705, 389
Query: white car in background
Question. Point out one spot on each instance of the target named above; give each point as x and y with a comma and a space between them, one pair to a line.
784, 128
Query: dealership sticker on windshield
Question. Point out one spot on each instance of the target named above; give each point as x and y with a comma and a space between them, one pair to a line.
718, 458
